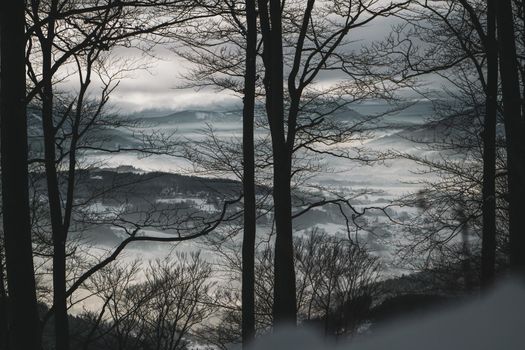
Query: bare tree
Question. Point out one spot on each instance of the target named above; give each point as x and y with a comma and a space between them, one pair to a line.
336, 284
159, 310
216, 56
65, 33
316, 43
460, 46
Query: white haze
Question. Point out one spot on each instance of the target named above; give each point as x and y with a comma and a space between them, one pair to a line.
494, 321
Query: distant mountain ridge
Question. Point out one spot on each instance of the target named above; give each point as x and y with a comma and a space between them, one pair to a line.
193, 116
234, 115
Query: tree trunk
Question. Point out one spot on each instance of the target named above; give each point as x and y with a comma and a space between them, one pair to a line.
284, 308
53, 192
488, 248
284, 303
59, 295
23, 315
58, 232
248, 243
514, 130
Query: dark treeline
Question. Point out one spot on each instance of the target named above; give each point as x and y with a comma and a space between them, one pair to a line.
61, 60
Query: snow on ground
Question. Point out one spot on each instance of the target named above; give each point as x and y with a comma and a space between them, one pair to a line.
493, 322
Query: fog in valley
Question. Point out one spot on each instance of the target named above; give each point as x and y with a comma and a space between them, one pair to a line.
262, 174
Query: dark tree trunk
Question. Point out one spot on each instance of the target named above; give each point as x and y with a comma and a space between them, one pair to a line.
514, 130
53, 191
23, 315
248, 243
55, 210
284, 303
59, 295
488, 248
58, 233
284, 308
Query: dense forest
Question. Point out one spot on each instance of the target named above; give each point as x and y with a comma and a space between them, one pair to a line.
202, 174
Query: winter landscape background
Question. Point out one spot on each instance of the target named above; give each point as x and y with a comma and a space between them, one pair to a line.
262, 174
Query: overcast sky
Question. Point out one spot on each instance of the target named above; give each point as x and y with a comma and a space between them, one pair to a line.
159, 86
